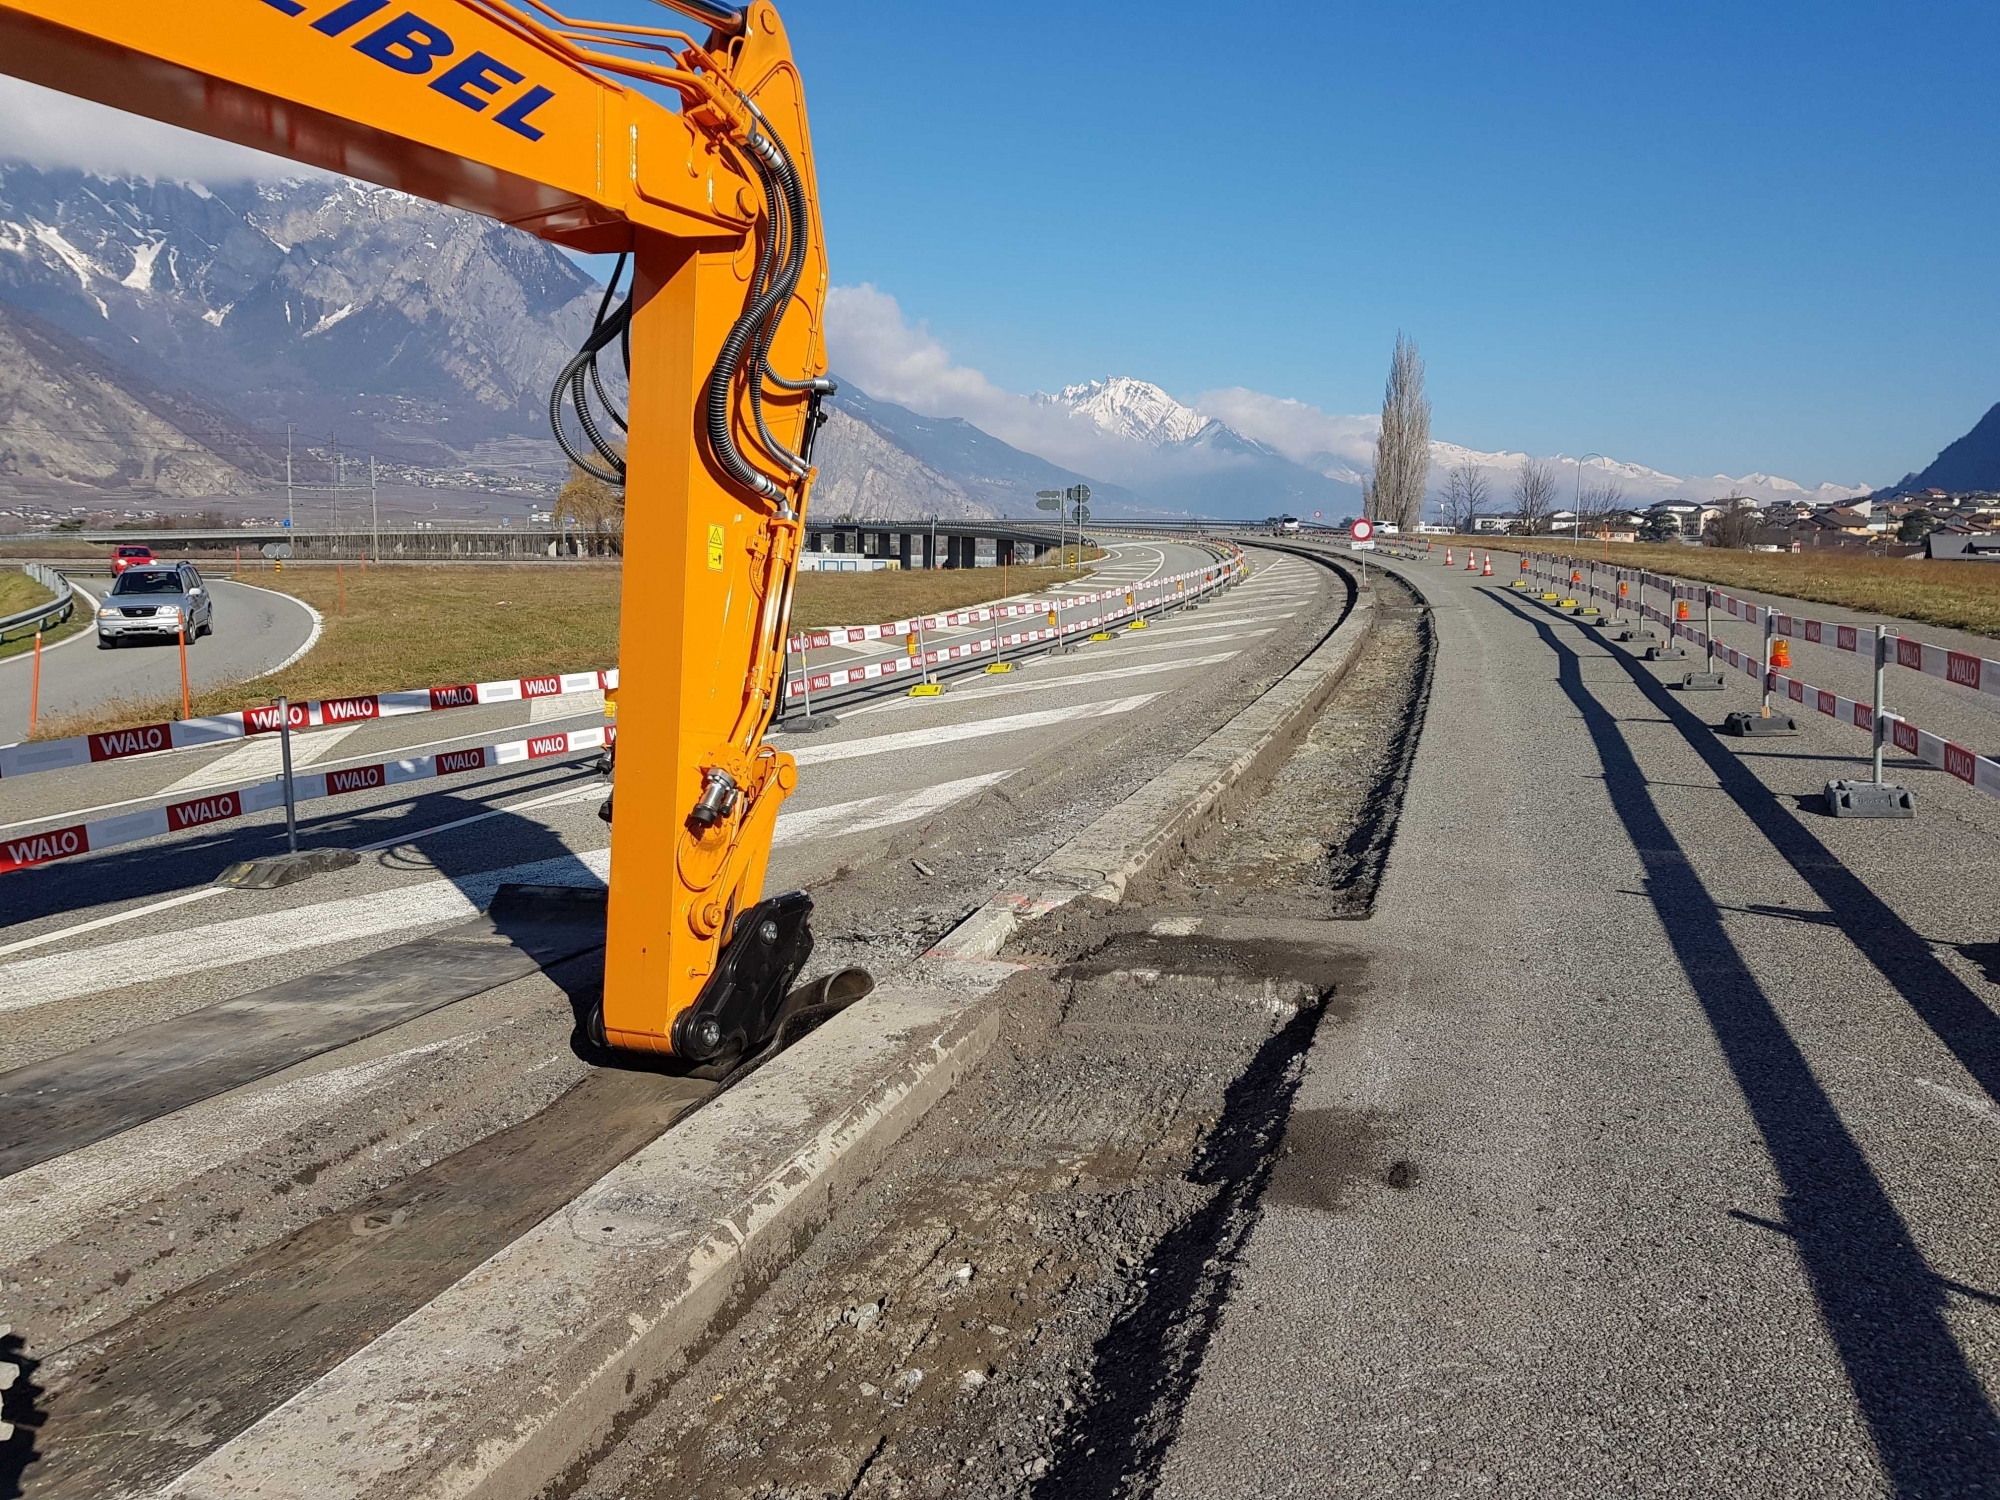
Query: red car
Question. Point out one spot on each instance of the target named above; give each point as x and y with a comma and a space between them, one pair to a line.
132, 557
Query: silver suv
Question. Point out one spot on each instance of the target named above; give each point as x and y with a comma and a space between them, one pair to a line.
154, 602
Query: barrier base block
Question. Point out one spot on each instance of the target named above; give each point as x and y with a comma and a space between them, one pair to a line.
806, 725
1864, 799
285, 869
1666, 653
1751, 724
1700, 682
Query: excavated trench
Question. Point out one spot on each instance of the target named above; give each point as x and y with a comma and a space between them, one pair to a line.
1019, 1303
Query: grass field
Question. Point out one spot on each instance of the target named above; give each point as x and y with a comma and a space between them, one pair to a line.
1959, 596
404, 627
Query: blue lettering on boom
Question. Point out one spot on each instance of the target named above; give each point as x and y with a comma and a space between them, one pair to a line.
515, 115
409, 44
481, 73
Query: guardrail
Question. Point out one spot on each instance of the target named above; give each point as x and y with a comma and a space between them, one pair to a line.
29, 622
850, 683
1886, 646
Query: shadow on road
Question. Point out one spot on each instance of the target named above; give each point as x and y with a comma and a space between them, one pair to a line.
1933, 1427
193, 860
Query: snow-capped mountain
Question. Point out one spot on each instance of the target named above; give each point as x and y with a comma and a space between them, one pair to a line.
1186, 461
1636, 484
322, 302
1132, 409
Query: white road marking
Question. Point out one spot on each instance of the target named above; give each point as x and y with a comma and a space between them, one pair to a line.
1041, 683
1211, 622
206, 893
402, 910
45, 1204
865, 813
245, 940
565, 706
256, 759
209, 892
943, 734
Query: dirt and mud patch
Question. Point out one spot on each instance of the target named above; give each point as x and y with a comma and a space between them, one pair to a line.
1315, 842
1019, 1304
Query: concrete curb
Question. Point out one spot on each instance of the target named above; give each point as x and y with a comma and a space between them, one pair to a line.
1168, 812
525, 1366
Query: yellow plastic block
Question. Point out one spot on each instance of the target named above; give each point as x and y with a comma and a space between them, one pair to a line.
927, 690
993, 667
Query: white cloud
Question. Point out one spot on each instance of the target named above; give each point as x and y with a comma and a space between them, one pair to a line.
871, 343
1338, 446
49, 129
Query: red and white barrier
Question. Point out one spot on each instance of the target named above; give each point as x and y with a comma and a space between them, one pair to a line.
222, 807
1982, 674
833, 679
895, 630
150, 739
1975, 770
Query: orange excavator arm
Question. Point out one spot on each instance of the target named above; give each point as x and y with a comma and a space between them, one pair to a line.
555, 124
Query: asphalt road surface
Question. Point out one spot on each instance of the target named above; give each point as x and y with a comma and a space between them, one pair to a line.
256, 630
944, 798
1659, 1152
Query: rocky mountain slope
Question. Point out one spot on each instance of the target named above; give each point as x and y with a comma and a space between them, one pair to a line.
72, 420
415, 330
1970, 464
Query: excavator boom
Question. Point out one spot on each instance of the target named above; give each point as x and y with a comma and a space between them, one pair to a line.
557, 125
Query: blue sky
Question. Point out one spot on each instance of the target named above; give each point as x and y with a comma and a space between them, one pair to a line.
1705, 237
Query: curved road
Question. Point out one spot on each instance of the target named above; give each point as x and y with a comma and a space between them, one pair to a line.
255, 630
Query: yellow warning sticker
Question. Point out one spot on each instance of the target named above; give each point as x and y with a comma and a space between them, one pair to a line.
715, 543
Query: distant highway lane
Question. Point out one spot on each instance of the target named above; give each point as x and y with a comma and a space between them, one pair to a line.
255, 630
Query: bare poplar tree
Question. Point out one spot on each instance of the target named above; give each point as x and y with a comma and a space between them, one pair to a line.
1403, 446
1535, 495
1602, 499
1465, 495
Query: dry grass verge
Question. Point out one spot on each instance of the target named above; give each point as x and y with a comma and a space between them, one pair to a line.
405, 627
1956, 595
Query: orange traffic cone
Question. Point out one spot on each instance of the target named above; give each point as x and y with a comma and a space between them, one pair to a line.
1471, 562
1487, 571
1781, 652
1447, 557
